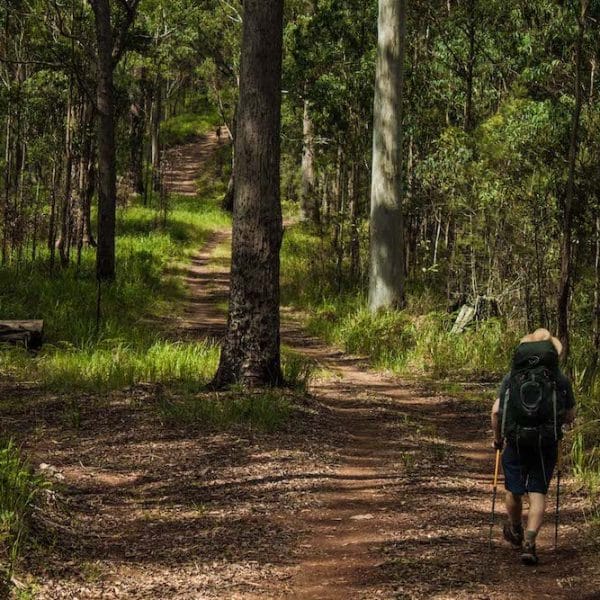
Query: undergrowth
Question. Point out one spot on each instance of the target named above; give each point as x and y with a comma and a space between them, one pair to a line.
404, 342
130, 345
418, 342
266, 410
19, 487
186, 127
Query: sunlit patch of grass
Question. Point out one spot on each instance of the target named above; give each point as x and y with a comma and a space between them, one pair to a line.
265, 410
129, 347
186, 127
400, 341
114, 364
19, 487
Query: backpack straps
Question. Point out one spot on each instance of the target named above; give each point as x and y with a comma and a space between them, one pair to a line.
504, 411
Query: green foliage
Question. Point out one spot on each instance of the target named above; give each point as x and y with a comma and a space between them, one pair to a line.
385, 336
297, 369
130, 346
266, 410
18, 490
402, 341
586, 441
114, 364
187, 127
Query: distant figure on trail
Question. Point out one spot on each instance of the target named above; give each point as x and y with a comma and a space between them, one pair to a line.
534, 401
218, 132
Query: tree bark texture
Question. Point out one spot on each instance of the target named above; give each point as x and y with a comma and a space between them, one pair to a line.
386, 277
107, 186
566, 262
309, 205
155, 134
136, 113
251, 353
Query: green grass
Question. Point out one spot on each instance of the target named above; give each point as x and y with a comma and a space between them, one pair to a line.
266, 410
131, 345
401, 341
18, 490
187, 127
417, 342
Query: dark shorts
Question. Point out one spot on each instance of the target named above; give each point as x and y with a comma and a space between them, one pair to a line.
526, 472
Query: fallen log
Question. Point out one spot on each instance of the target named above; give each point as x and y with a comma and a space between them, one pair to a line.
29, 333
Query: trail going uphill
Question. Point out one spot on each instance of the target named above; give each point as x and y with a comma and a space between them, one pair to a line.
402, 508
375, 488
184, 164
404, 513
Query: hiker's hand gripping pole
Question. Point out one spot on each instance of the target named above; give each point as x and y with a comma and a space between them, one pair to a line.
494, 493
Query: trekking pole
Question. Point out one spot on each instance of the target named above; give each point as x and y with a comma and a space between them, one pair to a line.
494, 492
559, 461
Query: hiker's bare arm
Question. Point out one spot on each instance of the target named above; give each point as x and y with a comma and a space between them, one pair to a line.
496, 421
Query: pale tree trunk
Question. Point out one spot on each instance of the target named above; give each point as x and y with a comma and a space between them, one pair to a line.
566, 254
309, 206
227, 201
353, 194
251, 353
138, 122
65, 211
155, 134
87, 181
107, 186
386, 277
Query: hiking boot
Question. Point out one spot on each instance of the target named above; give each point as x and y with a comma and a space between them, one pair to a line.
513, 535
529, 555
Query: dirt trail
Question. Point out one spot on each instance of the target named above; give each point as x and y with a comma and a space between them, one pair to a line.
184, 163
405, 513
376, 489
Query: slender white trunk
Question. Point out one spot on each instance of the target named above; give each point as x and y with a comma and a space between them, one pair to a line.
308, 203
386, 282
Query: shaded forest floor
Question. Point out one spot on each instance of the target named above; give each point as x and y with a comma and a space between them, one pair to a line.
375, 488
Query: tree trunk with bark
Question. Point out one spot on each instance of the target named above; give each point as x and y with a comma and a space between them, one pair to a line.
566, 254
155, 133
309, 205
107, 185
138, 122
62, 243
251, 352
386, 281
227, 201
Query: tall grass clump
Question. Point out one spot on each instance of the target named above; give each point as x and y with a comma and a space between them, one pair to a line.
19, 487
482, 351
266, 410
117, 364
586, 440
405, 342
130, 345
297, 369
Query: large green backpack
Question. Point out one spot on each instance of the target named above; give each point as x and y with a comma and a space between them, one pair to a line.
532, 409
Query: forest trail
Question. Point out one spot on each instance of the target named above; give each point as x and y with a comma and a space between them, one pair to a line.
376, 488
183, 164
404, 512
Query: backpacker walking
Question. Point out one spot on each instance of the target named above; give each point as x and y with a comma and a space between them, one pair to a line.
534, 401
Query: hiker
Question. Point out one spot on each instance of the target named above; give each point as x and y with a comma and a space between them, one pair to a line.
534, 401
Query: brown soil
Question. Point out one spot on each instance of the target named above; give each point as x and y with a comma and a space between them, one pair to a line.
376, 489
185, 163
